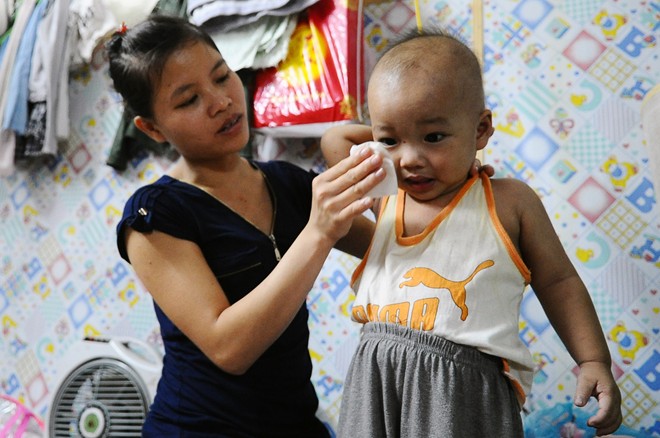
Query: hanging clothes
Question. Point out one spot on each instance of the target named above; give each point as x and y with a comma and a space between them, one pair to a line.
130, 142
49, 83
17, 108
261, 44
171, 7
92, 21
130, 12
16, 111
6, 13
226, 15
7, 137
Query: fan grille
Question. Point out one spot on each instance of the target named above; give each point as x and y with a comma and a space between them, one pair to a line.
101, 398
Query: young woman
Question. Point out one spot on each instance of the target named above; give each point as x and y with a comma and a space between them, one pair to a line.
227, 247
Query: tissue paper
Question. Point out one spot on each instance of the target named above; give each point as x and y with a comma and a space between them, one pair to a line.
388, 186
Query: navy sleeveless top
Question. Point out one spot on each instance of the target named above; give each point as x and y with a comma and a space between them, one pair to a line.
194, 398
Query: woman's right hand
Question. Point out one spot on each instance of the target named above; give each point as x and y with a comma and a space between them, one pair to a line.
338, 193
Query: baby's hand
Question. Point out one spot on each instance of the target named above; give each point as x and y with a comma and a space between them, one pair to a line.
477, 167
595, 379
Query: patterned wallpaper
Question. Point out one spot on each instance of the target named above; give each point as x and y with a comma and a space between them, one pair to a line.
565, 80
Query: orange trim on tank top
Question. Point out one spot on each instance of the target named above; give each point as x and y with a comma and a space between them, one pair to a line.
511, 248
400, 205
517, 387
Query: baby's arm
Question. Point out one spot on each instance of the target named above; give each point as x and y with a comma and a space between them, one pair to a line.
567, 304
336, 142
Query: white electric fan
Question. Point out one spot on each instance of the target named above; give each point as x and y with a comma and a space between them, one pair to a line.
105, 390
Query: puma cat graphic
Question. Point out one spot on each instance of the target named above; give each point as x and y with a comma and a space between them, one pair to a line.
432, 279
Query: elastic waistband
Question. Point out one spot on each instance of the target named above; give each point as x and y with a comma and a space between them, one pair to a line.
432, 344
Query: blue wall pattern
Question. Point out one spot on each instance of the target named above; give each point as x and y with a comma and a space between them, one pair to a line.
565, 80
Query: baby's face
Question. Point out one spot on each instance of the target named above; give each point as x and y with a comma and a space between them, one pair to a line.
430, 131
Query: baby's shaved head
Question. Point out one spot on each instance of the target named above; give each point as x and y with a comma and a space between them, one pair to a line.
443, 58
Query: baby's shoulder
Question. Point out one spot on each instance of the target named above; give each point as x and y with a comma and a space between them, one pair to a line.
510, 186
511, 192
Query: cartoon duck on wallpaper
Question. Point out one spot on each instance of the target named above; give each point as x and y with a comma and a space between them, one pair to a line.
578, 99
619, 172
609, 23
628, 341
584, 255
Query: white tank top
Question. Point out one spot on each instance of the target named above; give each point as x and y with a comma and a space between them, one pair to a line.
461, 278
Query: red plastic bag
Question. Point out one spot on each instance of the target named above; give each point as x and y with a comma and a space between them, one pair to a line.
320, 81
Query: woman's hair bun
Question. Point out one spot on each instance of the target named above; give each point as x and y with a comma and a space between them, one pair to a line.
113, 46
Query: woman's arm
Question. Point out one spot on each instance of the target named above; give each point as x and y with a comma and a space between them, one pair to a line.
234, 336
336, 144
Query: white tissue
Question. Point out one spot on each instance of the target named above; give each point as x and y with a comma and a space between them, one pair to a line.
388, 186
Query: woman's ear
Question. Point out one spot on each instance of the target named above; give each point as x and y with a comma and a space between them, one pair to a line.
484, 129
149, 128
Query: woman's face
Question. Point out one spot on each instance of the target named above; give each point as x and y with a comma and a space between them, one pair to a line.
199, 104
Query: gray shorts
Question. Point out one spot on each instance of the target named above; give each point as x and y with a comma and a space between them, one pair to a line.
407, 383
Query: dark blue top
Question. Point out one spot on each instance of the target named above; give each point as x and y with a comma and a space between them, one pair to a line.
275, 397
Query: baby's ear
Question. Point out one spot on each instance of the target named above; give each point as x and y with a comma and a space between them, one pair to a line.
149, 128
485, 128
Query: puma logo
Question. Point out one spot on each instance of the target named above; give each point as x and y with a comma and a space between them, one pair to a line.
432, 279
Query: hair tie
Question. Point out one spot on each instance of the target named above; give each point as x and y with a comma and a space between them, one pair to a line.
123, 28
